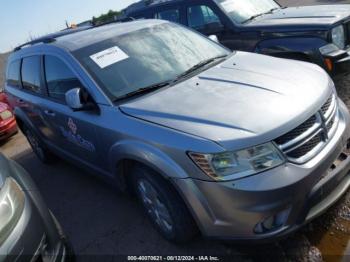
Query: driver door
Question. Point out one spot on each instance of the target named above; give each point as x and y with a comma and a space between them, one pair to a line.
74, 132
204, 19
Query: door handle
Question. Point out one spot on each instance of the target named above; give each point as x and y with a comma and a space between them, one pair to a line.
49, 113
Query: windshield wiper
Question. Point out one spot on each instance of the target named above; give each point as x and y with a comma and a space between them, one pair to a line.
265, 13
145, 90
157, 86
200, 65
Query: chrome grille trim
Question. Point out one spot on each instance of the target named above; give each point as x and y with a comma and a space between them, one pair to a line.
309, 143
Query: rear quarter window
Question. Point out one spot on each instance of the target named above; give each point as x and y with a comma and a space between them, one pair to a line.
13, 74
31, 74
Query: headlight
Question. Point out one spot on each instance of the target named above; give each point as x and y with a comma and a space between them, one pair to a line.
234, 165
327, 49
338, 36
11, 207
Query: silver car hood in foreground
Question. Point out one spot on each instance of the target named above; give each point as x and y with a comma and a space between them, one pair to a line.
246, 100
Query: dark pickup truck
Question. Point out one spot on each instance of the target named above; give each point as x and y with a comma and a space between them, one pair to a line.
317, 34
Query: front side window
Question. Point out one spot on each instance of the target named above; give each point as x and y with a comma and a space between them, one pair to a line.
241, 10
31, 73
172, 15
59, 78
146, 57
200, 16
13, 74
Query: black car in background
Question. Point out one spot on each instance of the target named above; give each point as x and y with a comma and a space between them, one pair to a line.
317, 34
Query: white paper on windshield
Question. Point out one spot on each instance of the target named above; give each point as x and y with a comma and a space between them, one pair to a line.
109, 56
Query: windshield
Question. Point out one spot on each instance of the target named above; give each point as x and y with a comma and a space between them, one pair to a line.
241, 10
127, 63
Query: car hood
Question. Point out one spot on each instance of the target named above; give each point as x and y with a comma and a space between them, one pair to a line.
247, 99
321, 15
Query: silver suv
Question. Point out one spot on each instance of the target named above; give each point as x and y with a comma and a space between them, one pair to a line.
238, 145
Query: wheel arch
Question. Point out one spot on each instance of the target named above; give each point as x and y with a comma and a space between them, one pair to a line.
299, 48
124, 155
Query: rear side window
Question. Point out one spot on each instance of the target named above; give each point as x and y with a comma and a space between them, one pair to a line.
13, 74
200, 16
31, 74
59, 78
172, 15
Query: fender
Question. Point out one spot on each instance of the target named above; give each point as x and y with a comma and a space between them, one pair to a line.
292, 46
146, 154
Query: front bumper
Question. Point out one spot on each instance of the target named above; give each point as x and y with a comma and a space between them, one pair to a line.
340, 62
232, 210
36, 236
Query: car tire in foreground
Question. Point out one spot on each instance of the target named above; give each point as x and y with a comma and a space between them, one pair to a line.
163, 206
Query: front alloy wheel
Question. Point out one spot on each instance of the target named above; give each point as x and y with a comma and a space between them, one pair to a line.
154, 206
163, 205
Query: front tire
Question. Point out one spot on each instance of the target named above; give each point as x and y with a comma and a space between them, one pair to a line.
163, 205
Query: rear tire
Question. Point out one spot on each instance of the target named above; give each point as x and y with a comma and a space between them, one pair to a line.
163, 205
40, 150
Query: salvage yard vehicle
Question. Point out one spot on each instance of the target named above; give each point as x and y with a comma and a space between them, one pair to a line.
232, 144
3, 98
317, 34
28, 230
8, 126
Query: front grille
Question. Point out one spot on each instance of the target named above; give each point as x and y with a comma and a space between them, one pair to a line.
297, 131
325, 107
306, 148
330, 123
305, 141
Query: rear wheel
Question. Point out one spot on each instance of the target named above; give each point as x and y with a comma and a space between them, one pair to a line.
163, 206
38, 147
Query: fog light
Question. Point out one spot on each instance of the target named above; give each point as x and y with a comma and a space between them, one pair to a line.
272, 223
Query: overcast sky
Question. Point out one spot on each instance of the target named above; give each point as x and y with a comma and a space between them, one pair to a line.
20, 19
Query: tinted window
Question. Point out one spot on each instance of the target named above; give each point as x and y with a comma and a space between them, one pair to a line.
199, 16
59, 78
13, 74
170, 15
147, 56
31, 73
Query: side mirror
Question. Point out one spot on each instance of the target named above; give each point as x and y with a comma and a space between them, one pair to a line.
78, 100
73, 99
214, 38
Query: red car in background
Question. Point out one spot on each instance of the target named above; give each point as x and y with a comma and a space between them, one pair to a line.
3, 98
8, 126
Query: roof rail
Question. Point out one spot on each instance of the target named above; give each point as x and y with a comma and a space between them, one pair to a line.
36, 41
52, 37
